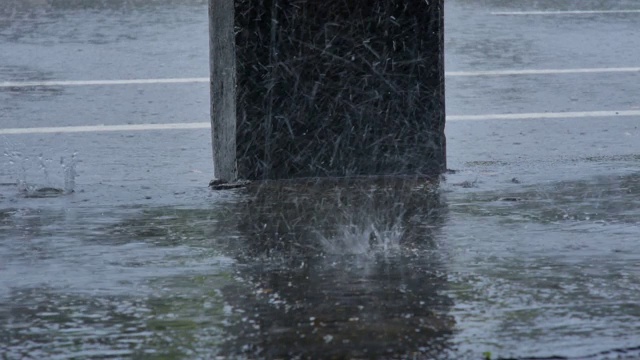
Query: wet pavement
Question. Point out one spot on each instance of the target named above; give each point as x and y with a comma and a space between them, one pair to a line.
529, 249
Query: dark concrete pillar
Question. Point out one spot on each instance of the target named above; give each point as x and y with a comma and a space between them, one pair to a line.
223, 89
339, 88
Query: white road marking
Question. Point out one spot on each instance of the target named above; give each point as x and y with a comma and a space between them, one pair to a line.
567, 12
105, 128
19, 84
207, 125
543, 71
545, 115
26, 84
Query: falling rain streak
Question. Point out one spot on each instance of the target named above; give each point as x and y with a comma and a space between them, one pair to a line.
111, 245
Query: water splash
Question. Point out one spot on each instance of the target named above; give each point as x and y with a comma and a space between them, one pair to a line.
369, 237
44, 168
37, 177
18, 168
69, 171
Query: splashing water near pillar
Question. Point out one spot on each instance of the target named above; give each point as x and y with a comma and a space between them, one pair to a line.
363, 238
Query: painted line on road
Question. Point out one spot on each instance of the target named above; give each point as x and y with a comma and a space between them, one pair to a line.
543, 71
207, 125
105, 128
19, 84
25, 84
566, 12
545, 115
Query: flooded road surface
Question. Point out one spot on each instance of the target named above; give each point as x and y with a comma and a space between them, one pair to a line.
388, 269
112, 246
551, 268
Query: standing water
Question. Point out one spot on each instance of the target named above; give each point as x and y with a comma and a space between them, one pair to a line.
393, 269
530, 250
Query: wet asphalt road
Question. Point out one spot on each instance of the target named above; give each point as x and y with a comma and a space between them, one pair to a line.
164, 40
558, 269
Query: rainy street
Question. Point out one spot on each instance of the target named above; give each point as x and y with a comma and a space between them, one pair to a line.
113, 246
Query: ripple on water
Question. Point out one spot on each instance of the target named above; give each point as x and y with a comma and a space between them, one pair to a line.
290, 270
71, 286
559, 268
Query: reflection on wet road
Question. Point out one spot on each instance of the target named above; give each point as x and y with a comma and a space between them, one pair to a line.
111, 246
344, 269
392, 269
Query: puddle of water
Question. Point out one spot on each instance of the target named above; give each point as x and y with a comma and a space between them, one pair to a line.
74, 285
347, 270
559, 267
361, 269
